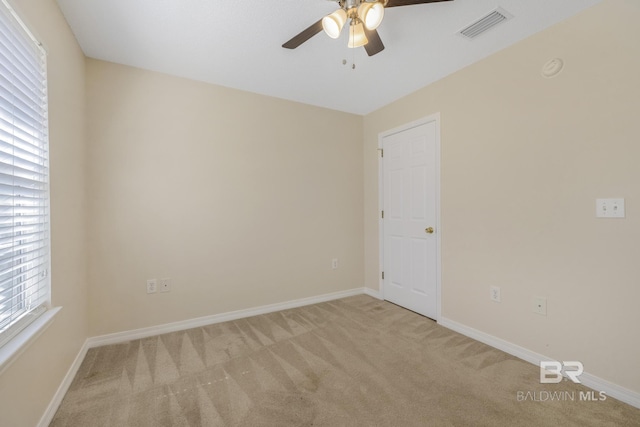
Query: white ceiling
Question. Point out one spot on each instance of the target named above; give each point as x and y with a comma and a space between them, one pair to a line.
237, 43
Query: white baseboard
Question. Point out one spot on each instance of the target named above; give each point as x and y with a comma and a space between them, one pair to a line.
373, 293
48, 415
612, 390
135, 334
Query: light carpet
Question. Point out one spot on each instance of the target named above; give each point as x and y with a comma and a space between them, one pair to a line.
355, 361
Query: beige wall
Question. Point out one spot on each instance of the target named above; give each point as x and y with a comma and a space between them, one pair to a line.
27, 386
523, 160
241, 199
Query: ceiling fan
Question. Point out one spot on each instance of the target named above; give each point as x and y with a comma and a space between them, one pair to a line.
365, 16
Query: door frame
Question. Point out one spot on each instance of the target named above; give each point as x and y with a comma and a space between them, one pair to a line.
428, 119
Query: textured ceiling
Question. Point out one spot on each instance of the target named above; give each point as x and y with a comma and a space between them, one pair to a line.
237, 43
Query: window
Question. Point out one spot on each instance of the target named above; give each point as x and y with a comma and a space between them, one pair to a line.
24, 177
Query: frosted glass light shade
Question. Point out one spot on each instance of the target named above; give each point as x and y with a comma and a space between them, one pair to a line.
371, 13
332, 24
357, 37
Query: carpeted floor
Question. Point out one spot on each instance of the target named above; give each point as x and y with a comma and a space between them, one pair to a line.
350, 362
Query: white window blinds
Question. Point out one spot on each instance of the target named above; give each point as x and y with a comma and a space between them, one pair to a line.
24, 175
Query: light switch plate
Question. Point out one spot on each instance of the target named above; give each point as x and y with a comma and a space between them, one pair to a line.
610, 208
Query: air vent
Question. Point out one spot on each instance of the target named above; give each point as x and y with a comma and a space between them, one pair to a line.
485, 23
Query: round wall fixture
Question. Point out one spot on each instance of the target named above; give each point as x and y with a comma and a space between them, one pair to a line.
552, 68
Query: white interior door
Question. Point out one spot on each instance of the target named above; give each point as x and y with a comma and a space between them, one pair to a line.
410, 247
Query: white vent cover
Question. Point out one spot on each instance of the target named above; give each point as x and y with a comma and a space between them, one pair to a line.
485, 23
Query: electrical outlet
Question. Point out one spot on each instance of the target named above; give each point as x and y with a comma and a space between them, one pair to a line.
494, 293
152, 286
540, 305
610, 208
165, 285
334, 263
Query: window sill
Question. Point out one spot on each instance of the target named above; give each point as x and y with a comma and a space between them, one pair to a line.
12, 349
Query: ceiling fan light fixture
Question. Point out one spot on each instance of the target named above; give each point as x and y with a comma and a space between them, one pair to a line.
365, 17
371, 13
357, 37
332, 24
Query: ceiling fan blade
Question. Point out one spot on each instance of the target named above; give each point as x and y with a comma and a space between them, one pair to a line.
304, 36
375, 43
396, 3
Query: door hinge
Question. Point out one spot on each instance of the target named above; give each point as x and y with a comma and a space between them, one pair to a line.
382, 214
383, 275
381, 152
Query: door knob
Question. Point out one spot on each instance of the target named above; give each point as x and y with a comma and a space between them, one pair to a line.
428, 230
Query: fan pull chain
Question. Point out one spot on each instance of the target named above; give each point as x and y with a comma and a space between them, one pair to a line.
353, 64
353, 54
353, 59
